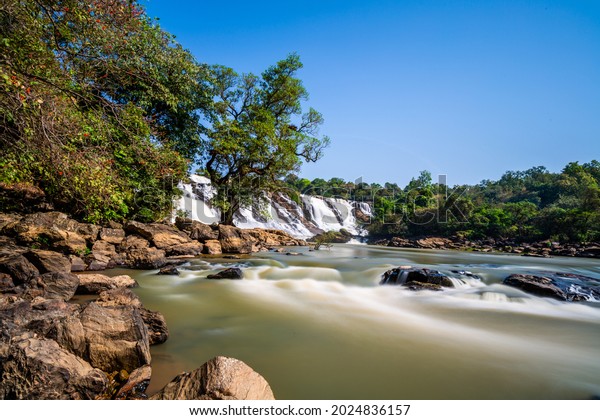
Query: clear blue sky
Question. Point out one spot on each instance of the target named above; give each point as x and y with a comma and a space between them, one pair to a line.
469, 89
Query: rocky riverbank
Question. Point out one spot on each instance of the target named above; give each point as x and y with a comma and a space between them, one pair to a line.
537, 249
53, 346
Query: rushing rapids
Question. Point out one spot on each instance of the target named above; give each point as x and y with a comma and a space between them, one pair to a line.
313, 215
319, 325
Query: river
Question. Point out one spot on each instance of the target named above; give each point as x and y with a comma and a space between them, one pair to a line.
318, 326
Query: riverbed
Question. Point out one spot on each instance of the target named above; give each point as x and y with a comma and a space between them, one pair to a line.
318, 326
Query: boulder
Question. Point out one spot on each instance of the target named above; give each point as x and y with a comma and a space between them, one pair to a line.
415, 277
212, 247
77, 264
48, 261
116, 338
233, 273
562, 286
169, 270
92, 284
222, 378
197, 230
162, 236
121, 296
190, 248
6, 283
39, 369
112, 236
69, 242
101, 256
146, 258
236, 246
135, 387
158, 332
58, 285
19, 268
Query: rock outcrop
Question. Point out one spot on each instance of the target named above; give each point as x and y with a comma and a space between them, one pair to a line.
562, 286
232, 273
416, 278
221, 378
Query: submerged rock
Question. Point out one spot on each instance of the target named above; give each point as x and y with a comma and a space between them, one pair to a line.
562, 286
229, 273
222, 378
416, 278
169, 270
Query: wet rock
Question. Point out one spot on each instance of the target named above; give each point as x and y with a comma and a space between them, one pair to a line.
135, 387
93, 284
48, 261
169, 270
233, 273
59, 285
116, 338
158, 332
161, 235
39, 369
562, 286
407, 276
222, 378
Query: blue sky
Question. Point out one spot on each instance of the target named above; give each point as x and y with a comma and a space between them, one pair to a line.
469, 89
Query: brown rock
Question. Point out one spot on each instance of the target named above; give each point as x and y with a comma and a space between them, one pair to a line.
158, 332
119, 297
135, 387
39, 369
91, 284
19, 268
116, 338
59, 285
48, 261
100, 258
6, 283
77, 264
112, 236
146, 258
134, 242
222, 378
162, 236
229, 273
189, 248
198, 230
212, 247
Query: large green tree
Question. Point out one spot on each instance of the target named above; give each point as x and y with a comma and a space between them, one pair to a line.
256, 133
98, 106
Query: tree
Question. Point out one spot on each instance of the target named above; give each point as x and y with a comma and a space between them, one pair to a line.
256, 133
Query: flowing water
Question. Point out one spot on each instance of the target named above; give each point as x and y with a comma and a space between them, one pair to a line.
318, 326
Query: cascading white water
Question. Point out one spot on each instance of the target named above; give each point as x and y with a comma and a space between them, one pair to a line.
312, 216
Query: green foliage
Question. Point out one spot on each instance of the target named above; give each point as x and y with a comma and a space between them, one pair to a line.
96, 102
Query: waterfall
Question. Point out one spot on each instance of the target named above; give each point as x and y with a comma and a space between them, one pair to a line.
313, 215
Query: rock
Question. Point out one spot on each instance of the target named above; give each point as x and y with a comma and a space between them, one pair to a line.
101, 256
197, 230
229, 273
70, 242
19, 268
162, 236
221, 378
562, 286
232, 242
212, 247
146, 258
77, 264
59, 285
135, 387
121, 296
48, 261
340, 237
158, 332
295, 254
93, 284
169, 270
112, 236
416, 277
116, 338
6, 283
591, 252
133, 242
190, 248
39, 369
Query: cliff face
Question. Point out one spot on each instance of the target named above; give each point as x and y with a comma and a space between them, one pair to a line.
313, 215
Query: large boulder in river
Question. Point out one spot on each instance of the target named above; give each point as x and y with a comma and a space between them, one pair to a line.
222, 378
39, 369
562, 286
416, 278
232, 273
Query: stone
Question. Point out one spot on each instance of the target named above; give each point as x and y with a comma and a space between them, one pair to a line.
39, 369
6, 283
19, 268
134, 242
212, 247
203, 232
169, 270
236, 246
233, 273
112, 236
59, 285
92, 284
221, 378
146, 258
101, 256
70, 242
417, 277
161, 235
77, 264
135, 387
116, 338
48, 261
562, 286
190, 248
121, 296
158, 332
